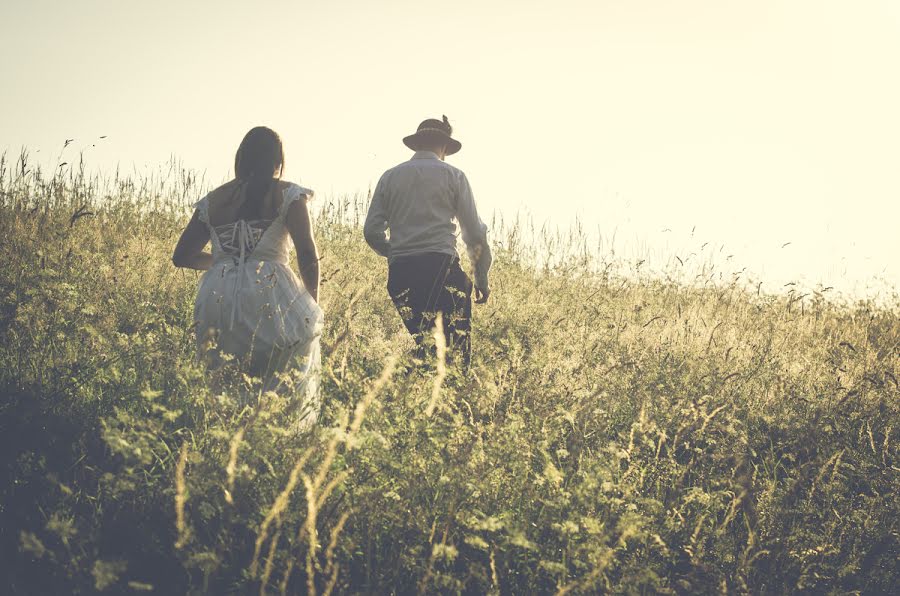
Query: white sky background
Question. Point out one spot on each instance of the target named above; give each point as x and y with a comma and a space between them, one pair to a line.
752, 123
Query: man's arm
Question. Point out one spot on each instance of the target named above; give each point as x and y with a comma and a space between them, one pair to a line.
376, 224
474, 235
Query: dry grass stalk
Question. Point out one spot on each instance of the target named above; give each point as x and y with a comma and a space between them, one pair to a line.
330, 453
232, 464
281, 503
315, 497
180, 497
834, 459
366, 401
495, 578
282, 587
707, 418
429, 571
234, 446
332, 484
312, 534
270, 562
441, 345
331, 568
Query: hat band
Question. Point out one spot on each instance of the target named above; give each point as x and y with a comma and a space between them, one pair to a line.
443, 132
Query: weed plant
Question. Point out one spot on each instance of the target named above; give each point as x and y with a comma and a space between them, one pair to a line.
618, 432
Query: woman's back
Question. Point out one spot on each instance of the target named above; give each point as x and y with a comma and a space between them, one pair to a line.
260, 238
237, 224
251, 306
230, 202
250, 303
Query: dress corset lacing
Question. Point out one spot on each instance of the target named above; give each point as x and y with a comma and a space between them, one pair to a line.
243, 240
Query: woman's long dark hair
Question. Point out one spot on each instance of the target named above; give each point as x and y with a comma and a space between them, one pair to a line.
258, 158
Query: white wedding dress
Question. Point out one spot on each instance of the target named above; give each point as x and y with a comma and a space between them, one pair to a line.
252, 305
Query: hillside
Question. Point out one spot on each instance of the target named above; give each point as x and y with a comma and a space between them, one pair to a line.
617, 433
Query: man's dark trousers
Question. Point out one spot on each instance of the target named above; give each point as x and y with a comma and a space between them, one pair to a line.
424, 284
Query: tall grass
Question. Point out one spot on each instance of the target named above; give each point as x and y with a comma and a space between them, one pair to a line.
617, 432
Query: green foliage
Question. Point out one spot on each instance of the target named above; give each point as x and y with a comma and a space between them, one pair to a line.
618, 432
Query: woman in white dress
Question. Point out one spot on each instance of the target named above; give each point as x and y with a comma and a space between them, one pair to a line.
250, 304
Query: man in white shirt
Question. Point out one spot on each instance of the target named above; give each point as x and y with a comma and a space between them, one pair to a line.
418, 202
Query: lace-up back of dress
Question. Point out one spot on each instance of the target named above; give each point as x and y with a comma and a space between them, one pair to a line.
258, 239
241, 234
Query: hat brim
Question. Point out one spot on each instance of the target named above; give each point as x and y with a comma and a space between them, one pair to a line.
416, 141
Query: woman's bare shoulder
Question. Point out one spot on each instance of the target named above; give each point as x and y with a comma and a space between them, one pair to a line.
223, 194
224, 190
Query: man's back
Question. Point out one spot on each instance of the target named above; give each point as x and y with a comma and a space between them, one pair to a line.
419, 199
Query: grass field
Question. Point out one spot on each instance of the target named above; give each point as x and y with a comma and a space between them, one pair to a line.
618, 433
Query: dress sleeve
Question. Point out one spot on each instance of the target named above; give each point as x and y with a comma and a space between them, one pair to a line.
293, 193
202, 208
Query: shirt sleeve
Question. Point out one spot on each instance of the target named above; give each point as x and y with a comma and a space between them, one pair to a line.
474, 232
376, 224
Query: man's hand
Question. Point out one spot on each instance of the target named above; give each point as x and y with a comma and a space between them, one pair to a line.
481, 296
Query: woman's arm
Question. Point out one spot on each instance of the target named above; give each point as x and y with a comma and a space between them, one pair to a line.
300, 227
189, 250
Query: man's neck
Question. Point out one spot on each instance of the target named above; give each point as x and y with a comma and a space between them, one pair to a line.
427, 154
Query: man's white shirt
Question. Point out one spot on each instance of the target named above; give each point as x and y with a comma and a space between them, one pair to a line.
418, 201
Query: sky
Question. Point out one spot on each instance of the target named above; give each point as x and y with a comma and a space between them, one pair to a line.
762, 134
